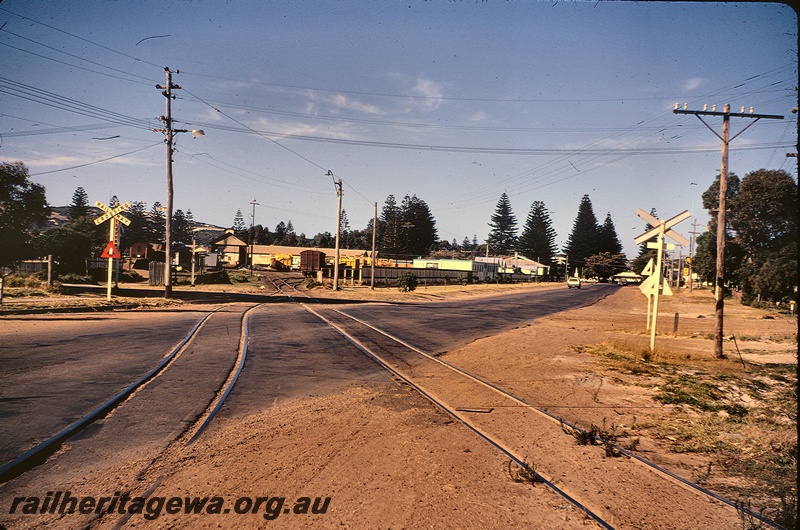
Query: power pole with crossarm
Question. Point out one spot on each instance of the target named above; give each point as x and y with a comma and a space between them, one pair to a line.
723, 191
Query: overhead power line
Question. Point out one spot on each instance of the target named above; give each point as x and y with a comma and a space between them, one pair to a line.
266, 137
95, 162
143, 79
50, 99
271, 135
79, 38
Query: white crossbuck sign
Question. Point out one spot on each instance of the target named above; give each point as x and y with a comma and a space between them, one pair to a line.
655, 283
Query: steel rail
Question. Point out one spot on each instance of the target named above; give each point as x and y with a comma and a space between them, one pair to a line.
647, 463
683, 481
486, 437
39, 454
244, 340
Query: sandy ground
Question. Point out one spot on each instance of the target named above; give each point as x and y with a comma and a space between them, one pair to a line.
386, 458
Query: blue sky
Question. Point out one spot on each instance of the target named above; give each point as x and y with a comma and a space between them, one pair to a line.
455, 102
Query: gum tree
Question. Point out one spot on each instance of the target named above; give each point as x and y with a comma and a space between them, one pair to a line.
23, 210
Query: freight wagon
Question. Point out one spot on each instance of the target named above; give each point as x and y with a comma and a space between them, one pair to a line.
312, 262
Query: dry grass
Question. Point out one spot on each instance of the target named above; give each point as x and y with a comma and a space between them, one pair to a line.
743, 416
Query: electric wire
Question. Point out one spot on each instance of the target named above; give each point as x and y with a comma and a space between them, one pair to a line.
79, 37
487, 150
95, 162
540, 181
250, 175
444, 98
144, 80
57, 101
263, 135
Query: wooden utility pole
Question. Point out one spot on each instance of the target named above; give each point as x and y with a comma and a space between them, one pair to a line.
719, 292
723, 190
374, 240
253, 236
169, 137
338, 185
169, 134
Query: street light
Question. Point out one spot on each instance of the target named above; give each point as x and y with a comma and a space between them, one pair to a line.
169, 135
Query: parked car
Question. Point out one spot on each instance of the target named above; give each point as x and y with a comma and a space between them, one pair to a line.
574, 282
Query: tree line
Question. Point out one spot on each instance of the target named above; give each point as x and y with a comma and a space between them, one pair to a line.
761, 240
592, 248
761, 233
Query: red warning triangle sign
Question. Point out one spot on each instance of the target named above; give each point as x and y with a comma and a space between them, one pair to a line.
110, 251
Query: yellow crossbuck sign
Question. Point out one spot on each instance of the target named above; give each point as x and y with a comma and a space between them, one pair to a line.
114, 215
112, 212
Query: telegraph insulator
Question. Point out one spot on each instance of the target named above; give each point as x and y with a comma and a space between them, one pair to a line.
685, 106
713, 108
705, 107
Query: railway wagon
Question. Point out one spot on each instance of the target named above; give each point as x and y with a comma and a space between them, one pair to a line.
390, 275
311, 262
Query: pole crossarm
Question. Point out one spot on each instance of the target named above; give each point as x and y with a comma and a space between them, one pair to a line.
699, 113
727, 115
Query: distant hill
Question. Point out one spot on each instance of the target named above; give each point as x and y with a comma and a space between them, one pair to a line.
59, 216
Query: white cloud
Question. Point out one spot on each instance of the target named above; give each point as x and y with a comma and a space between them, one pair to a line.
479, 117
343, 102
692, 83
431, 91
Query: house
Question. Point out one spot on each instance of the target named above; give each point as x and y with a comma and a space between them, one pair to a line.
523, 265
480, 269
516, 264
232, 251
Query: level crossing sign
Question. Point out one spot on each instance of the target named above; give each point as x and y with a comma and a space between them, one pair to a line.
112, 213
111, 252
655, 284
656, 227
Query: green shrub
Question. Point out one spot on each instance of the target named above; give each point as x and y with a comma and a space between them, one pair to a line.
239, 277
407, 282
216, 277
76, 278
130, 276
20, 280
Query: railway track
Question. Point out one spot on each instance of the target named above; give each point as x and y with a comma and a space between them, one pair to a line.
526, 434
218, 386
533, 439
